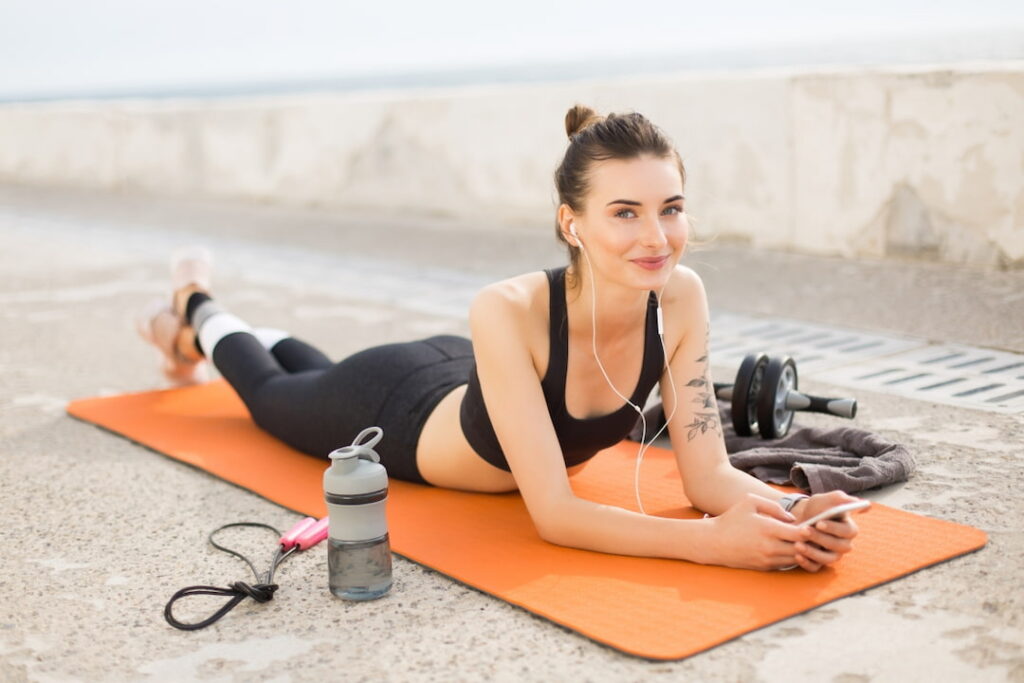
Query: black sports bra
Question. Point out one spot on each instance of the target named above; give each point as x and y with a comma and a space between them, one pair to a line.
580, 439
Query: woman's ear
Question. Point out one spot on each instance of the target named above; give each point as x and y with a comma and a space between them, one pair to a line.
566, 223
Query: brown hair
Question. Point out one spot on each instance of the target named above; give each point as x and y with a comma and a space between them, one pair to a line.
594, 138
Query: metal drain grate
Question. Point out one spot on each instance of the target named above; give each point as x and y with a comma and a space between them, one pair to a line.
812, 346
943, 373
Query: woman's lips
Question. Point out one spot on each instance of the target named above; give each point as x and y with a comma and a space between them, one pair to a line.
652, 263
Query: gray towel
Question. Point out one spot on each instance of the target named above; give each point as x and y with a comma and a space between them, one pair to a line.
817, 460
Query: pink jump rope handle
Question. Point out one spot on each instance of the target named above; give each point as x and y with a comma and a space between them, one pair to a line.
312, 535
291, 538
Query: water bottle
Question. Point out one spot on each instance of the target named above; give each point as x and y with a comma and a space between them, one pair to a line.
358, 550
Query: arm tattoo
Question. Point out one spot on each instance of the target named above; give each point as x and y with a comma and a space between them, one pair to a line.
706, 416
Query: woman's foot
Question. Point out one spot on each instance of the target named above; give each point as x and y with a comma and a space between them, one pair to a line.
191, 268
164, 324
181, 362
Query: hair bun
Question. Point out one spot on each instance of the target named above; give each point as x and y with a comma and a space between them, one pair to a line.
578, 118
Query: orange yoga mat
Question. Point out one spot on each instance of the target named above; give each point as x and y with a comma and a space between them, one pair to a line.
654, 608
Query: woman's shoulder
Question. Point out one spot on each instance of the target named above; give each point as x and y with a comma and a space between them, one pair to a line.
510, 316
684, 303
520, 294
683, 287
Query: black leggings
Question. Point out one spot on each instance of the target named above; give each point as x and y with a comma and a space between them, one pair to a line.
298, 395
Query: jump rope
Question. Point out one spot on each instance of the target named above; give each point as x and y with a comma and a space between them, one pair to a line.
644, 444
303, 535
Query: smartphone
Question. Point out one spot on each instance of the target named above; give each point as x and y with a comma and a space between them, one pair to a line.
836, 512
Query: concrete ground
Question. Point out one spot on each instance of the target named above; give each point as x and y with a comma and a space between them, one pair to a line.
100, 532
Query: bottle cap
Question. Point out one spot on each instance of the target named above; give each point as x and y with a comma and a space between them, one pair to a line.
356, 470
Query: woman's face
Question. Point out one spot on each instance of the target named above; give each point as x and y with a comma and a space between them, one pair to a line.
633, 225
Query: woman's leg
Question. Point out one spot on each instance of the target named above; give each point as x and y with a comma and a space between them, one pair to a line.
191, 269
280, 379
293, 354
325, 405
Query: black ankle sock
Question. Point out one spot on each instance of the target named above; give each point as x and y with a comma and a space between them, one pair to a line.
195, 300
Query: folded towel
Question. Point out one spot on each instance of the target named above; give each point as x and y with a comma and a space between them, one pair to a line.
815, 459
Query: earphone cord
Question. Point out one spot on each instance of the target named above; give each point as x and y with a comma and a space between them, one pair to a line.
644, 445
643, 437
260, 591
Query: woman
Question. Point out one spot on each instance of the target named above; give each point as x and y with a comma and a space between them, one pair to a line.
537, 392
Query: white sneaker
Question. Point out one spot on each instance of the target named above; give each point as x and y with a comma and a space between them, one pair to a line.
191, 266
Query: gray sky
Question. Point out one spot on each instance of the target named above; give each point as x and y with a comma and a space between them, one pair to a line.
66, 46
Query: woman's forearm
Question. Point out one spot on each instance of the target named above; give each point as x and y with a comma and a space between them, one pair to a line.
580, 523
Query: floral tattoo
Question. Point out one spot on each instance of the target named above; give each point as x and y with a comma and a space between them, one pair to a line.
706, 417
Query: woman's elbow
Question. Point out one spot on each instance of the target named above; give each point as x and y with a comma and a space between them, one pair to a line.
699, 486
554, 526
548, 531
695, 494
556, 534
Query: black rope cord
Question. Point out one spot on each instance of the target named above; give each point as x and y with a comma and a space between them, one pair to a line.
261, 591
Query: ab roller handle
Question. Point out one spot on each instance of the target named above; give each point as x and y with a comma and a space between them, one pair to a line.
840, 407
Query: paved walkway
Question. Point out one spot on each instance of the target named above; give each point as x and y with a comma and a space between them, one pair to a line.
101, 532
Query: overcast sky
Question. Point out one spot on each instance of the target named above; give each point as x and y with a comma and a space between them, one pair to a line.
51, 47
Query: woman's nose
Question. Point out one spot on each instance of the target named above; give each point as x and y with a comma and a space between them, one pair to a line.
653, 235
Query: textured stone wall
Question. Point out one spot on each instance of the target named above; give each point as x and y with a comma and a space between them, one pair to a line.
923, 162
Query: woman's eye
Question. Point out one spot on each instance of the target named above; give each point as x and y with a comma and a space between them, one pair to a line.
625, 213
672, 210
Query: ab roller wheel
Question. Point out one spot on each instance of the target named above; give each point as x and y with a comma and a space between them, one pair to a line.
765, 396
774, 418
744, 393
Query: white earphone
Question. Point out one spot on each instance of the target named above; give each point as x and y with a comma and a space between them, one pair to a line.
644, 444
572, 231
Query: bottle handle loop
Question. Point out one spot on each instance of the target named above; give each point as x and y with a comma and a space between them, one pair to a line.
359, 449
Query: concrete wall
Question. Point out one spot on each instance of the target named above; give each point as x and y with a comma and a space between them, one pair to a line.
873, 163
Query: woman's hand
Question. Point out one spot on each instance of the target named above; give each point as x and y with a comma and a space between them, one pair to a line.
756, 533
828, 540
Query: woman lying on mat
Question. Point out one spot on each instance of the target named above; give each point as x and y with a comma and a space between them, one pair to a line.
543, 385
